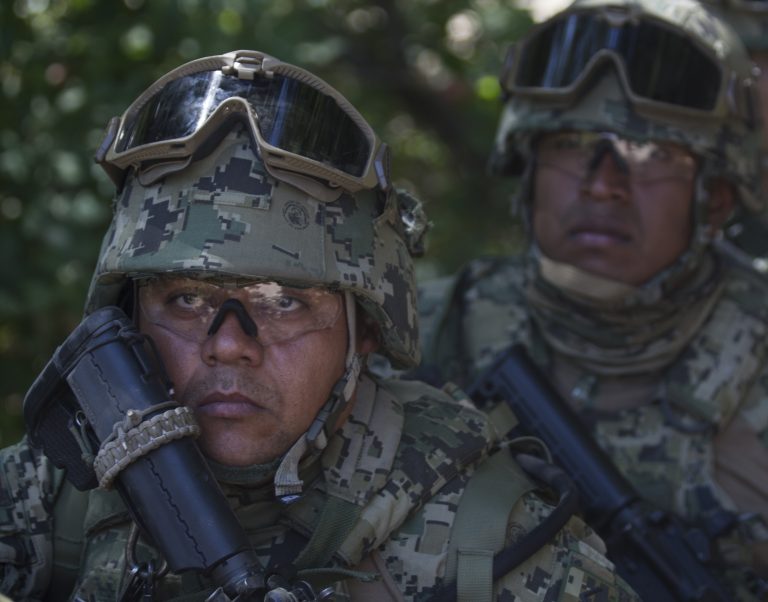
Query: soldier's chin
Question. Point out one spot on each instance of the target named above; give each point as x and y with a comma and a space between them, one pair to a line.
241, 449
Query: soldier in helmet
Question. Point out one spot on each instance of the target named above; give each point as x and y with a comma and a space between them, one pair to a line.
634, 129
258, 242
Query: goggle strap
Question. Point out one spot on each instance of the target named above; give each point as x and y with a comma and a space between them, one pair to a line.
314, 188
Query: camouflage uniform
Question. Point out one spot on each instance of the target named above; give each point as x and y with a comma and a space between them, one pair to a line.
399, 492
672, 377
399, 468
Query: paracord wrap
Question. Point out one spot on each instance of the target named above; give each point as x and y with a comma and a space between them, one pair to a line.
136, 437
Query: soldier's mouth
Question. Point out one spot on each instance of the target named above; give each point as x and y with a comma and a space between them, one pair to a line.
599, 237
230, 405
597, 231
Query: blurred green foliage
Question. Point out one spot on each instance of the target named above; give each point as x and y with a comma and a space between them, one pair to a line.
422, 71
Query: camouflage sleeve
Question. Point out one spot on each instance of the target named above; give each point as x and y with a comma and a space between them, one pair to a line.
27, 486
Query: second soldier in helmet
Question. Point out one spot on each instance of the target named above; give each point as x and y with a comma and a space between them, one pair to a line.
634, 127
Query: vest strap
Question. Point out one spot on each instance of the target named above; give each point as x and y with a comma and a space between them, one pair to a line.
480, 527
337, 519
474, 580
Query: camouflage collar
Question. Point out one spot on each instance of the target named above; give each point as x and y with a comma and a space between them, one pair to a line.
623, 335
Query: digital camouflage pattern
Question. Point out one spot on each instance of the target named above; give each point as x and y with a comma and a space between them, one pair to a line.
225, 216
679, 433
400, 466
728, 142
748, 19
27, 488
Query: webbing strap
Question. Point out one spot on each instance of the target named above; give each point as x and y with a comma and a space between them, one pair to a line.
474, 580
337, 519
480, 526
502, 419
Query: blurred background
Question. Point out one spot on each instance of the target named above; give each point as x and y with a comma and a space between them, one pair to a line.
424, 73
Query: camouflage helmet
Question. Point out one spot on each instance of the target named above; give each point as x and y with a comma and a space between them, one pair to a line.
229, 214
749, 18
569, 74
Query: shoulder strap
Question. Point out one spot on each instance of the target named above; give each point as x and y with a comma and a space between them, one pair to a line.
336, 521
480, 526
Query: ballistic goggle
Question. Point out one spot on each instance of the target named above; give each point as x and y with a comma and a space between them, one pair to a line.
660, 68
300, 123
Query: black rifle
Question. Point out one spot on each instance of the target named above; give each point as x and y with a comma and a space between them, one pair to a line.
659, 556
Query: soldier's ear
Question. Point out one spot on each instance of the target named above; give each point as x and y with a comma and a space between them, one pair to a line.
368, 334
722, 200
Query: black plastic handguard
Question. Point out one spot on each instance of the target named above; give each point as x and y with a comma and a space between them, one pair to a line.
660, 557
104, 370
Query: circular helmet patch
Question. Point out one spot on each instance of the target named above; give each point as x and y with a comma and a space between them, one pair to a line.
296, 215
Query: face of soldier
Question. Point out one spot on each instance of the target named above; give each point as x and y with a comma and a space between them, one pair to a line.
604, 218
252, 401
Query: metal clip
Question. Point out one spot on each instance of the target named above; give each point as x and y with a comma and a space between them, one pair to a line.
140, 581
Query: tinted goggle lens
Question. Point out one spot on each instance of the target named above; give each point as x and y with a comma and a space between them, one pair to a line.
656, 60
291, 116
187, 308
579, 153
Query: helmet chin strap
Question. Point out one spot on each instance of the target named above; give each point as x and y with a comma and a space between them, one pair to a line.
288, 485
